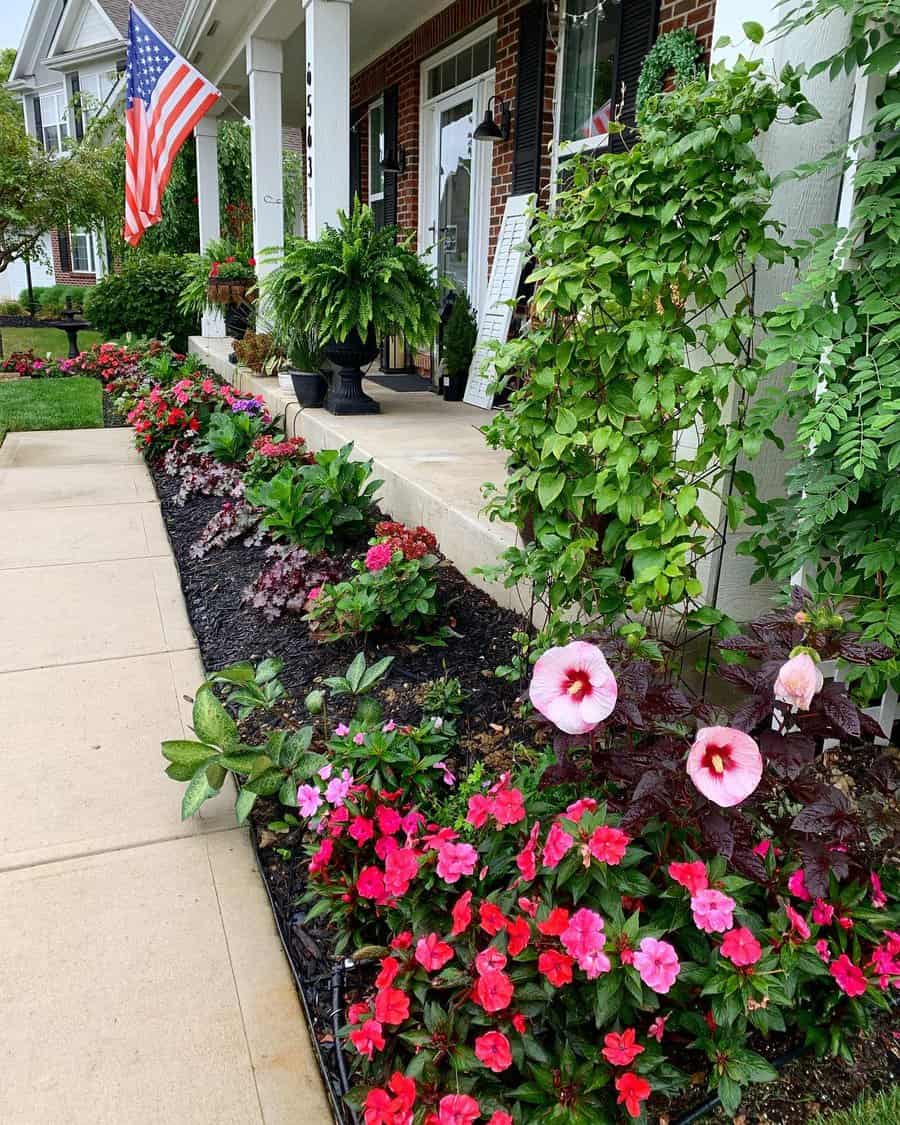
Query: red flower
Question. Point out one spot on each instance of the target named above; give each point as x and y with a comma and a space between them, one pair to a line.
519, 936
432, 953
555, 923
509, 807
526, 860
390, 966
368, 1038
500, 1117
489, 960
741, 947
370, 883
400, 868
480, 808
457, 1109
608, 844
691, 876
850, 978
361, 829
620, 1050
402, 941
556, 967
251, 261
519, 1023
491, 918
391, 1006
356, 1012
389, 820
461, 914
632, 1091
323, 856
492, 1049
493, 991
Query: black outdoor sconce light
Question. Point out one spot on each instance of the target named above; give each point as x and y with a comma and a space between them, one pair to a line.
394, 163
489, 130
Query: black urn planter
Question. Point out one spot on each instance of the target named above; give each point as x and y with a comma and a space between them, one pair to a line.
345, 395
309, 387
454, 386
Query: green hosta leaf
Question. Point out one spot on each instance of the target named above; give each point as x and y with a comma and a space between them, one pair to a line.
212, 722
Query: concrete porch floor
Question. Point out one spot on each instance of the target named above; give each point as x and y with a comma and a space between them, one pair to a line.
429, 453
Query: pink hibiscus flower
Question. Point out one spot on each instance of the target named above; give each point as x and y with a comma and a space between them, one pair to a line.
798, 681
725, 765
574, 687
658, 965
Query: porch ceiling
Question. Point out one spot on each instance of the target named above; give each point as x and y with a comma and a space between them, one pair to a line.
212, 34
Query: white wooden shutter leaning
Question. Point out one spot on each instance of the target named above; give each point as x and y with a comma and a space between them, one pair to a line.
509, 261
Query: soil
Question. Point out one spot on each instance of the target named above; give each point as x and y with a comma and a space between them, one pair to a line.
228, 632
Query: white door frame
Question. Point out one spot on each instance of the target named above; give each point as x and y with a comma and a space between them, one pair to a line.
480, 90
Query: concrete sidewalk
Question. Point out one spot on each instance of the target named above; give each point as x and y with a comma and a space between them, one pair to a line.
141, 977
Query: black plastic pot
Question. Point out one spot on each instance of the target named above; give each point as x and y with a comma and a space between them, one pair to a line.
453, 387
345, 395
310, 387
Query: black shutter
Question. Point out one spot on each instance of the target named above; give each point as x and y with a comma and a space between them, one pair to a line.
529, 116
391, 145
65, 251
637, 31
76, 99
357, 123
38, 120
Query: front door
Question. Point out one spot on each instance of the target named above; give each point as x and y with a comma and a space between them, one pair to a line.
458, 187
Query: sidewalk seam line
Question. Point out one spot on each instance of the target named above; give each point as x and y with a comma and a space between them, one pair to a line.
97, 660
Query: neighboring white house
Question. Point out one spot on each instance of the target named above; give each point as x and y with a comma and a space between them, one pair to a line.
69, 48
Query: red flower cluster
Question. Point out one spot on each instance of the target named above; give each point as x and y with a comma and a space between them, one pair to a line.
25, 363
413, 542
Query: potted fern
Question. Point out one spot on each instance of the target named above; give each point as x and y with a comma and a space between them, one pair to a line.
352, 286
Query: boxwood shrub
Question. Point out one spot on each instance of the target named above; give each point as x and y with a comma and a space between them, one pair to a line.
142, 299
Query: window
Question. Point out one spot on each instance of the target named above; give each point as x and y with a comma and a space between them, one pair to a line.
376, 152
590, 30
462, 66
94, 90
54, 120
82, 249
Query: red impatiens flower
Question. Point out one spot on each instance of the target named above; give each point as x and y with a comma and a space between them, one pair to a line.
357, 1012
608, 844
370, 883
555, 922
519, 1023
519, 933
621, 1050
480, 808
493, 991
368, 1039
391, 1108
432, 953
850, 978
500, 1117
556, 967
490, 960
400, 868
632, 1091
462, 914
509, 806
402, 941
491, 918
457, 1109
492, 1049
691, 876
391, 1006
526, 860
741, 947
390, 967
322, 857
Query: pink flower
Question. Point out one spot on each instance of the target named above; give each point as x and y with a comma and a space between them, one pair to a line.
456, 860
379, 556
632, 1091
338, 789
391, 1006
341, 729
526, 860
509, 806
322, 857
400, 868
725, 765
491, 918
741, 947
361, 829
432, 953
879, 898
309, 800
490, 960
621, 1050
389, 820
823, 951
480, 808
798, 681
608, 844
389, 726
493, 991
797, 923
822, 913
797, 886
850, 978
368, 1038
457, 1109
492, 1049
578, 808
370, 883
498, 1117
584, 934
359, 738
557, 844
658, 965
594, 963
691, 876
657, 1029
573, 687
762, 848
462, 914
712, 911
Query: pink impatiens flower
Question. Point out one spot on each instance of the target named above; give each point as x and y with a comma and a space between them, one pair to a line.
797, 922
379, 556
456, 860
879, 898
621, 1050
823, 913
584, 934
608, 844
712, 911
493, 1050
557, 844
798, 681
725, 765
658, 964
457, 1109
432, 953
741, 947
400, 868
573, 687
850, 978
797, 885
691, 876
309, 800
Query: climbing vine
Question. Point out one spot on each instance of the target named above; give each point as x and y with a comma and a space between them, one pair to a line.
840, 330
677, 52
621, 439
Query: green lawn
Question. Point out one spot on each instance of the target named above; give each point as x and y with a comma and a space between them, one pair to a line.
44, 340
881, 1110
50, 404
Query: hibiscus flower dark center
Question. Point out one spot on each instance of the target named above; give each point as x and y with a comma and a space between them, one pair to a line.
577, 684
717, 759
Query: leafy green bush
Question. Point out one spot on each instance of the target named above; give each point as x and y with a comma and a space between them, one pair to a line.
460, 336
142, 299
231, 434
11, 308
318, 505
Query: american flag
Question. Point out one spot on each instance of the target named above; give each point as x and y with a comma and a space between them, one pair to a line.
165, 98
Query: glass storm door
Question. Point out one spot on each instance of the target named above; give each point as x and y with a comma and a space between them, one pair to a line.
456, 124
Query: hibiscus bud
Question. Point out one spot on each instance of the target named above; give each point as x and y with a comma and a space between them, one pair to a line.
801, 618
314, 702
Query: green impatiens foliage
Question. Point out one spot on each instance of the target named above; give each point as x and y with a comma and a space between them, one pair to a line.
623, 435
840, 328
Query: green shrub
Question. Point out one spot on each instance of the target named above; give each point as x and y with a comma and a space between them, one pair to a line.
51, 301
459, 337
11, 308
143, 300
231, 434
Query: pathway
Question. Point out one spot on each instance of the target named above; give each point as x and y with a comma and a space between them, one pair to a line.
141, 978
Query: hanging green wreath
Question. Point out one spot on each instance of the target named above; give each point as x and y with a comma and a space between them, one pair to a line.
677, 51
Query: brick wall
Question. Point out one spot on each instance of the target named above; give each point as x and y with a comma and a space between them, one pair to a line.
695, 14
67, 277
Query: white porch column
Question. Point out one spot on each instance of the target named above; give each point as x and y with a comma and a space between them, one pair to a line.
265, 64
327, 111
206, 136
